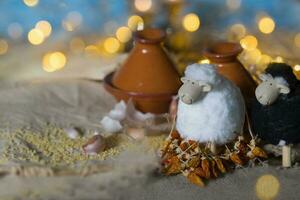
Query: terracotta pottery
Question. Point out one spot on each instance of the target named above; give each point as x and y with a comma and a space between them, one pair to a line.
224, 56
148, 76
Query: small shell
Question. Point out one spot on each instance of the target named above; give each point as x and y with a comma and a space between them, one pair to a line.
72, 132
136, 133
94, 145
111, 125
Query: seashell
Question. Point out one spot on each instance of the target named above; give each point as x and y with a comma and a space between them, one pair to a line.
111, 125
94, 145
119, 111
72, 132
136, 133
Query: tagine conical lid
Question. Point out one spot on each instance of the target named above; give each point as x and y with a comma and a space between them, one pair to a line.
148, 69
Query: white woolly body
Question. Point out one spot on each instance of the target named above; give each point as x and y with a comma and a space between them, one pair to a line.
218, 115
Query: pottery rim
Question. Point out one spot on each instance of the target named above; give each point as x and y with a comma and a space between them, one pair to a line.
150, 36
223, 50
139, 95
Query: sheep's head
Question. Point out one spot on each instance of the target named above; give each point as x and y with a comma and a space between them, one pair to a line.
268, 91
191, 90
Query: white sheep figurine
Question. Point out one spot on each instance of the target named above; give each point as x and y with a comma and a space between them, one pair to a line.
211, 108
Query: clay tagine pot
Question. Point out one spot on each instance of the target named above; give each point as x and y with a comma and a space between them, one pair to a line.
224, 56
148, 76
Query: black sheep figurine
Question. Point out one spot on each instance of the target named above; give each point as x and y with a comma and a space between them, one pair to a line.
276, 111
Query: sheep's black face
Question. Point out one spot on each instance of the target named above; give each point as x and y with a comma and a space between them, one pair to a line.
268, 91
191, 90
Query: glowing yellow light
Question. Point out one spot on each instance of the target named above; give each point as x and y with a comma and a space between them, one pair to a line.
123, 34
31, 3
3, 47
204, 61
15, 30
265, 59
249, 42
135, 22
297, 40
68, 26
191, 22
233, 4
238, 31
278, 59
253, 56
77, 45
45, 27
92, 51
111, 45
54, 61
267, 187
266, 25
143, 5
35, 36
297, 68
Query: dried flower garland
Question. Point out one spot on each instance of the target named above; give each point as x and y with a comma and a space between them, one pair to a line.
195, 160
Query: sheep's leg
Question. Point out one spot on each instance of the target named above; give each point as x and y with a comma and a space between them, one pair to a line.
213, 147
286, 156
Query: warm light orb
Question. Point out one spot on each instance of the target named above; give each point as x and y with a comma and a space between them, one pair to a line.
233, 4
15, 30
72, 21
77, 45
238, 31
253, 56
135, 22
54, 61
92, 51
31, 3
297, 68
111, 45
45, 27
204, 61
297, 40
267, 187
266, 25
191, 22
279, 59
249, 42
3, 47
35, 36
143, 5
123, 34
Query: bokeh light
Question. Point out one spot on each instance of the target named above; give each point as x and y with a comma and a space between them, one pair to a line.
77, 45
72, 21
278, 59
267, 187
31, 3
111, 45
91, 51
191, 22
233, 4
143, 5
45, 27
54, 61
237, 31
249, 42
123, 34
253, 56
3, 46
135, 22
266, 25
297, 40
35, 36
297, 68
15, 30
204, 61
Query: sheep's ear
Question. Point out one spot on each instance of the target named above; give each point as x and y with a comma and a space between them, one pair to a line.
183, 79
283, 89
205, 86
265, 77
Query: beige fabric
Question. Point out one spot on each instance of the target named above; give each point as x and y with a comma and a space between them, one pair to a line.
83, 103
